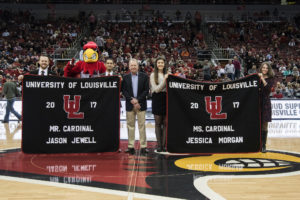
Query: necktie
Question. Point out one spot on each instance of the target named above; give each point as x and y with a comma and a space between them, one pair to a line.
43, 73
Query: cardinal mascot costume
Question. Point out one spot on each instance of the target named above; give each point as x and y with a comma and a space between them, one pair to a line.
89, 67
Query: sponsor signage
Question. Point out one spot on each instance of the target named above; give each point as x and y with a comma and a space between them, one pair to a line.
17, 107
284, 128
286, 109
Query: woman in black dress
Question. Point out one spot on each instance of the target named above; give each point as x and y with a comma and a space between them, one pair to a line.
158, 88
266, 75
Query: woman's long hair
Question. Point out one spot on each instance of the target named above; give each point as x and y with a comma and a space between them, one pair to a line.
156, 69
270, 70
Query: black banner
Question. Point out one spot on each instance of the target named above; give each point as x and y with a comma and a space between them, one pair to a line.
213, 117
68, 115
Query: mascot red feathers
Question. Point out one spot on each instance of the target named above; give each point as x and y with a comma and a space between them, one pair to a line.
90, 67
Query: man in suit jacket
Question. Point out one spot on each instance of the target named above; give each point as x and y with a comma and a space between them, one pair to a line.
135, 88
43, 69
109, 64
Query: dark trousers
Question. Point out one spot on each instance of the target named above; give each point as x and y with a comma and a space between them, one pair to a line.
10, 109
231, 76
237, 74
160, 130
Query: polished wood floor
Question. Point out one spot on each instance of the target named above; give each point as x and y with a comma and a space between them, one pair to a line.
278, 188
268, 187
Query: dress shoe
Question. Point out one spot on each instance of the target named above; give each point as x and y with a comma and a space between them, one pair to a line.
144, 151
130, 150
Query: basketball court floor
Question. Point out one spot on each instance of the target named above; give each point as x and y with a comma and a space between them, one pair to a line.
121, 176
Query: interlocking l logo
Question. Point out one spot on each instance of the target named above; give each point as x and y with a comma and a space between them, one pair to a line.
72, 107
214, 108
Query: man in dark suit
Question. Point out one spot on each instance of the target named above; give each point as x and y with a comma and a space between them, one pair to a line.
135, 88
109, 64
43, 69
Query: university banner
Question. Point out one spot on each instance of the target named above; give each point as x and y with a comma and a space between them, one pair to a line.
68, 115
213, 117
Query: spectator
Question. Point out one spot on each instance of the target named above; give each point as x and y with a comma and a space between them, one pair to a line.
189, 64
289, 90
253, 70
224, 78
5, 33
185, 53
206, 70
278, 86
292, 43
220, 70
249, 61
237, 68
278, 94
172, 61
229, 68
11, 92
287, 71
197, 65
295, 72
297, 90
282, 69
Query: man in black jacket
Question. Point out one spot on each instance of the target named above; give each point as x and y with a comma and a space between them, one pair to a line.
135, 88
43, 69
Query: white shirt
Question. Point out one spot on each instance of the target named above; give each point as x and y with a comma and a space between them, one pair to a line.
134, 79
221, 71
81, 55
229, 68
5, 34
105, 54
45, 71
108, 73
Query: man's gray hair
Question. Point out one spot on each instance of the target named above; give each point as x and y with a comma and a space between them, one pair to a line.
133, 60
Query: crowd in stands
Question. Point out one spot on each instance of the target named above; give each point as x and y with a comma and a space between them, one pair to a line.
23, 39
257, 42
179, 43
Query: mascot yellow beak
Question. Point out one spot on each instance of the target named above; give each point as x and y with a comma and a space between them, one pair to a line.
90, 56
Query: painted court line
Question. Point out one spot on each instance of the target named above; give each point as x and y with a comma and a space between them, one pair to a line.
85, 188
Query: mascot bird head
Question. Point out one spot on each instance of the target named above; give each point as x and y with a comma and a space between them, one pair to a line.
90, 54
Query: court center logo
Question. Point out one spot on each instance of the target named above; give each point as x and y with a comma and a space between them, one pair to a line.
270, 162
214, 108
72, 107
